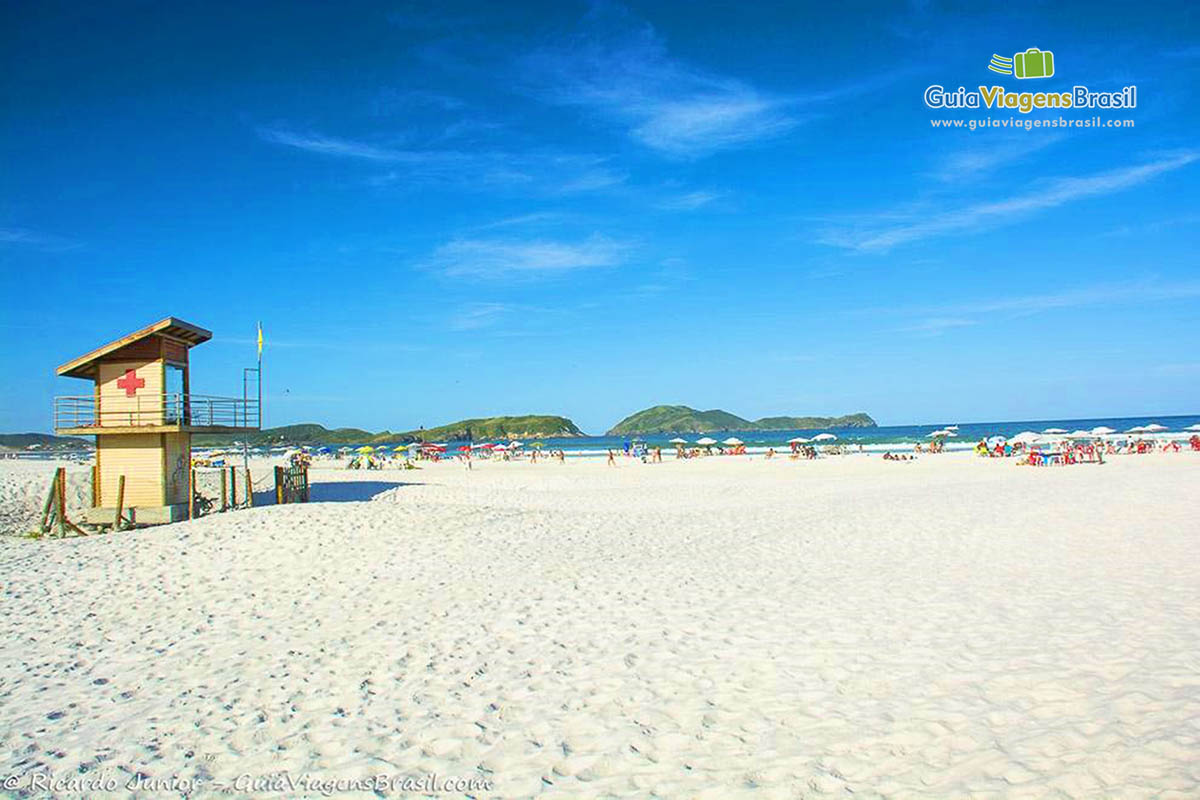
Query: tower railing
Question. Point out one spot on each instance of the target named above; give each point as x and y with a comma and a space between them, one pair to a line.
150, 410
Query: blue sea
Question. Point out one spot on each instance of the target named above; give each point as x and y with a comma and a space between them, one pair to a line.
879, 438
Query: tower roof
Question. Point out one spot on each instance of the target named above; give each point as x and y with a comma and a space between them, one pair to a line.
185, 333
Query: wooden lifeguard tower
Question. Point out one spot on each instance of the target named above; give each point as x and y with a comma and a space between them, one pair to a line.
143, 415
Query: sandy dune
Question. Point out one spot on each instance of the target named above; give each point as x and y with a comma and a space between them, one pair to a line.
950, 627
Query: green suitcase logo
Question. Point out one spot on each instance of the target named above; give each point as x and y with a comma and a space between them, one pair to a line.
1033, 63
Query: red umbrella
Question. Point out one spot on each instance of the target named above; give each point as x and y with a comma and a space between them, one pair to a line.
466, 448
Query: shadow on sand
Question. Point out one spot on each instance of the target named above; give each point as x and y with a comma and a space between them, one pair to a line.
336, 492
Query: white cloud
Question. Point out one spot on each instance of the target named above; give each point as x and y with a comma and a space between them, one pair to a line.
665, 104
499, 258
989, 214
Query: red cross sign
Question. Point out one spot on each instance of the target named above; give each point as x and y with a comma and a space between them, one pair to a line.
130, 383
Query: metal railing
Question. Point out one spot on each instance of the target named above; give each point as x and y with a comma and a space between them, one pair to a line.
156, 409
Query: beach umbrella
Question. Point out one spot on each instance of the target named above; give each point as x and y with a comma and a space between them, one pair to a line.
1102, 430
1054, 430
538, 445
490, 446
997, 438
706, 442
366, 448
1026, 437
1079, 435
400, 447
824, 437
515, 444
677, 440
951, 427
732, 441
499, 447
1137, 429
798, 440
1195, 427
1154, 427
466, 448
937, 433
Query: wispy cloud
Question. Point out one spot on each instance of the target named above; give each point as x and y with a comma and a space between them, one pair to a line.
985, 215
475, 316
333, 146
979, 160
22, 237
670, 106
504, 258
935, 326
1102, 294
688, 201
539, 172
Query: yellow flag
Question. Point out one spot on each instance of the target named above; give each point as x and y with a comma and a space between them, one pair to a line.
260, 340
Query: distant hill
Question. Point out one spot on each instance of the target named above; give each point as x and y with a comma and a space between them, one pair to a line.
684, 419
528, 427
525, 427
21, 441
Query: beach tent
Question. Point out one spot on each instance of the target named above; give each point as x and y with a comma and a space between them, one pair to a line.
824, 437
1054, 430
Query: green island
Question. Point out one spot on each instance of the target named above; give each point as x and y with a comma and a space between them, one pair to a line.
684, 419
530, 426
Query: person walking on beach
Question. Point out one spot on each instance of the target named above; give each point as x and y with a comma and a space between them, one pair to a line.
612, 461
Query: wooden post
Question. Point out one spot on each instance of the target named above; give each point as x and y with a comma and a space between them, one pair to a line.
279, 486
120, 503
224, 492
249, 490
95, 485
60, 476
191, 492
44, 525
233, 487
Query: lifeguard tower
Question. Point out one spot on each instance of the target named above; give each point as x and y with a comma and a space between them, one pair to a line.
143, 414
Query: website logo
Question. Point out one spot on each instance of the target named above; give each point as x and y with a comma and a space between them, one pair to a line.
1033, 63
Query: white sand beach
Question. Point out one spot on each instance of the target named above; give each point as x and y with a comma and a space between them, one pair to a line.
724, 627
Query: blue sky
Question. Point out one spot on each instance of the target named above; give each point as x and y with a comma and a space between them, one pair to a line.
588, 209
